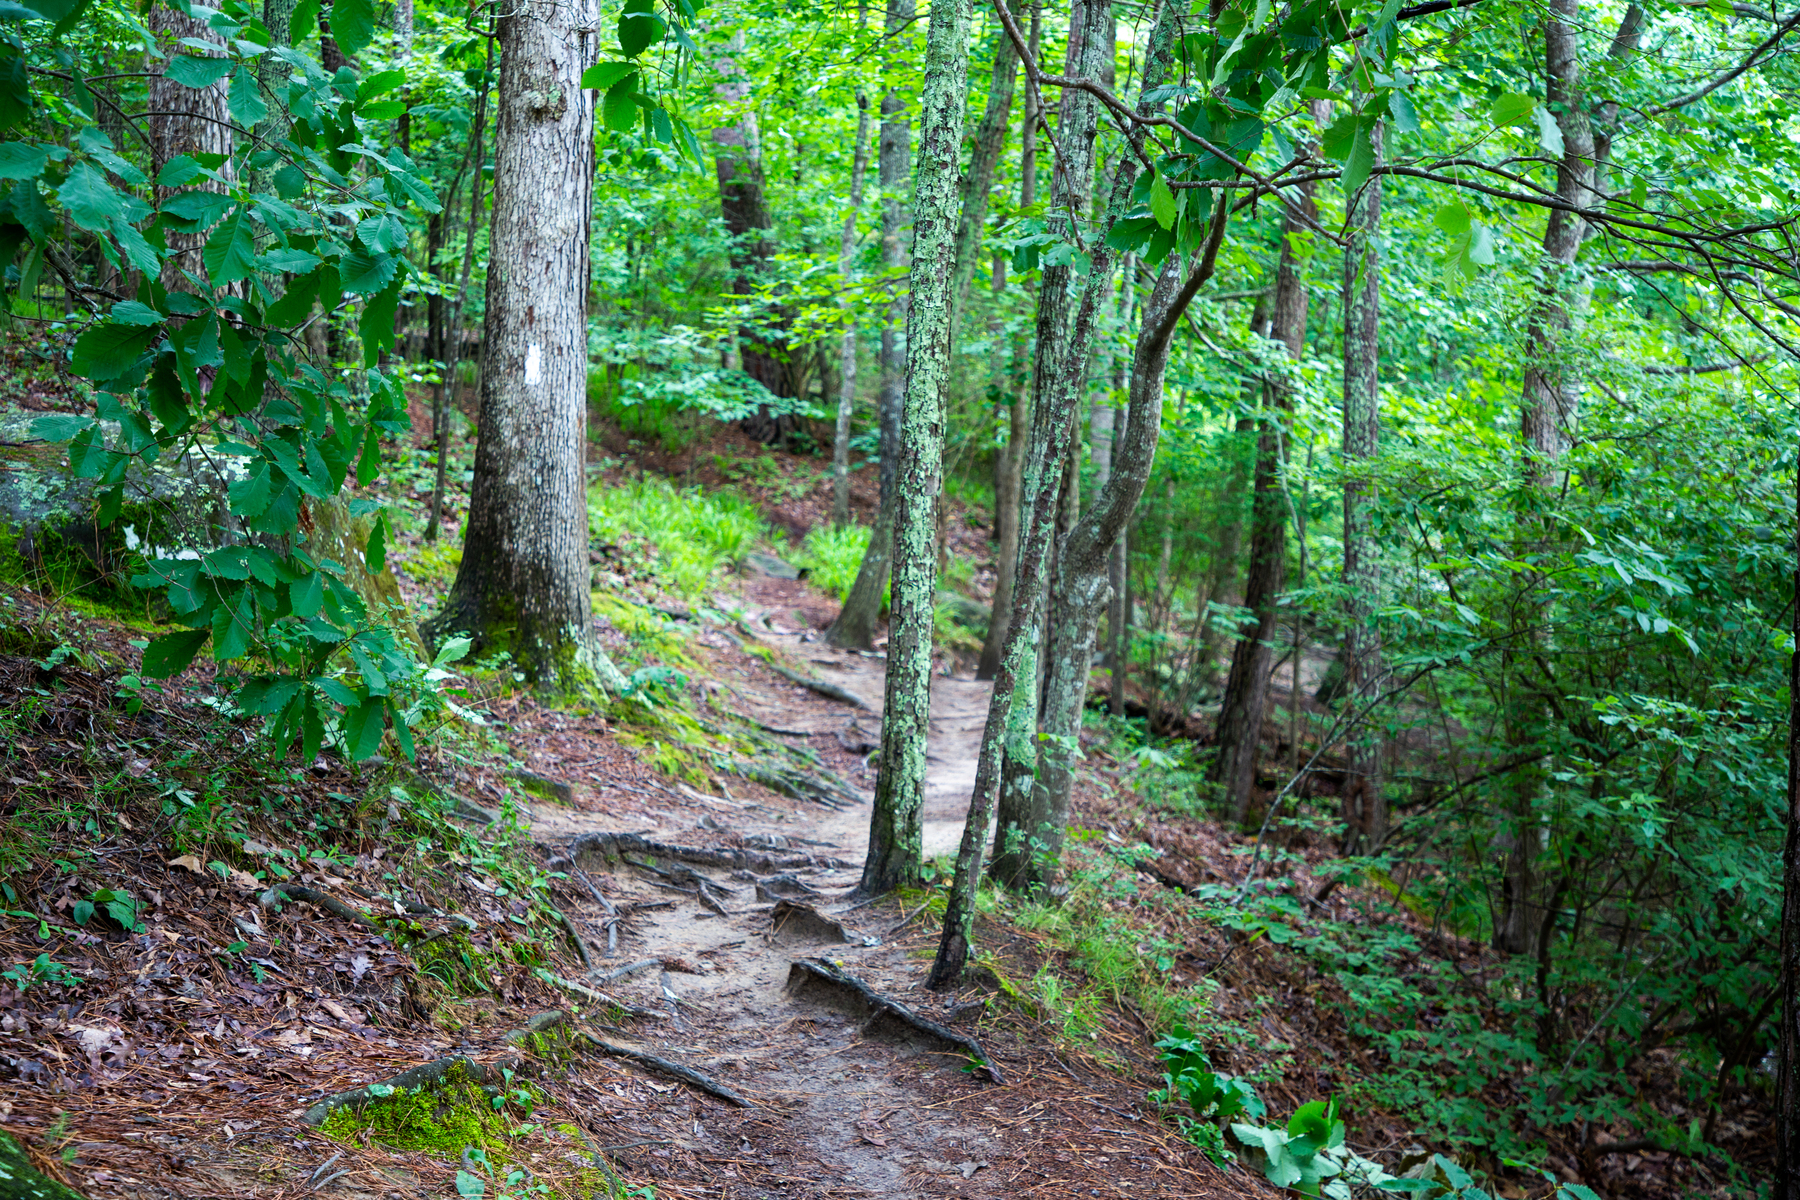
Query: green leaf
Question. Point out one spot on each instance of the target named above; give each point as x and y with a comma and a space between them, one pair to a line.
1406, 118
1339, 138
469, 1187
1162, 202
361, 273
375, 553
638, 31
379, 84
383, 233
171, 653
15, 89
60, 428
234, 627
231, 250
30, 210
363, 728
131, 312
618, 109
197, 72
245, 103
290, 182
353, 25
1511, 108
250, 495
381, 110
307, 595
21, 161
89, 200
1549, 132
107, 351
179, 172
138, 250
1361, 159
604, 75
376, 325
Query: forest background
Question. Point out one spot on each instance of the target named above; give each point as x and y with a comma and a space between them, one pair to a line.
1453, 342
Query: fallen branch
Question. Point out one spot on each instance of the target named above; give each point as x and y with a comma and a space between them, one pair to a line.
330, 903
583, 992
587, 959
612, 925
672, 1069
859, 998
820, 687
622, 972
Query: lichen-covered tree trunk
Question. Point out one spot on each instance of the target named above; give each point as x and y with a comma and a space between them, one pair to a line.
978, 179
523, 585
1247, 687
854, 626
1009, 478
840, 442
1365, 811
895, 825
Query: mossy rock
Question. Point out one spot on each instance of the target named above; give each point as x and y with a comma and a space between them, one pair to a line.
19, 1180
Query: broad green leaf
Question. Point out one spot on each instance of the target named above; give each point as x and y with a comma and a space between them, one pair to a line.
290, 182
179, 172
59, 428
1511, 108
308, 595
231, 250
171, 653
1549, 133
363, 728
21, 161
376, 325
15, 88
197, 72
383, 233
1162, 202
131, 312
1339, 138
618, 108
138, 250
1362, 157
234, 627
638, 31
1406, 118
89, 200
245, 102
353, 25
30, 210
604, 75
361, 273
106, 351
375, 553
196, 210
378, 84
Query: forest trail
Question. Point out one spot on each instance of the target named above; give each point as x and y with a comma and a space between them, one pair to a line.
843, 1108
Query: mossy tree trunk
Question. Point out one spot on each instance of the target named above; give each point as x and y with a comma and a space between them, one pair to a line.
840, 442
895, 826
854, 627
523, 585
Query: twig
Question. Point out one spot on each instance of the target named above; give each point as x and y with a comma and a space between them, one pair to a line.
331, 904
622, 972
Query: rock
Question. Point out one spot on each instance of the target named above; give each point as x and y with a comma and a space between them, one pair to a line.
793, 923
545, 788
758, 563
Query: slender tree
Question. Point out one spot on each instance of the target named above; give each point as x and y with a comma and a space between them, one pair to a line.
895, 825
854, 626
840, 442
1365, 813
1247, 688
523, 584
1787, 1074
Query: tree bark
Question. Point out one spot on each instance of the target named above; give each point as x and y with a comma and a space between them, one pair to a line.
895, 825
1009, 479
1365, 809
840, 442
523, 585
1787, 1076
978, 180
190, 121
737, 159
854, 626
1247, 688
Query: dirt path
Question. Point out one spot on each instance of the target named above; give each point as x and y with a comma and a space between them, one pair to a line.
843, 1107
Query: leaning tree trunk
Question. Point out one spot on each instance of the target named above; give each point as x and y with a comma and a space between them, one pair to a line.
896, 824
840, 442
854, 626
1247, 687
1009, 479
523, 583
1550, 400
190, 121
1060, 371
737, 158
1365, 811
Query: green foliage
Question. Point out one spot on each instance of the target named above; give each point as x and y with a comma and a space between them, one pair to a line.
833, 555
693, 536
43, 971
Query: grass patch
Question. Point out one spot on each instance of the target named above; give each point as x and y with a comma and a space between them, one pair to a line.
835, 555
692, 535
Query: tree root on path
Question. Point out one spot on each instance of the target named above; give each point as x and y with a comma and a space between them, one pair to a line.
330, 903
583, 992
848, 993
544, 1029
617, 845
820, 687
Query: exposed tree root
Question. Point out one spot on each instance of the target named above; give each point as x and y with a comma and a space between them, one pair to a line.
820, 687
848, 993
331, 904
617, 845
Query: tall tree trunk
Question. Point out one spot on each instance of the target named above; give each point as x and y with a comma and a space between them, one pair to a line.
1549, 404
737, 158
984, 157
1365, 809
190, 121
1061, 368
840, 442
895, 825
1118, 612
1009, 478
1247, 688
854, 626
451, 351
523, 583
1787, 1076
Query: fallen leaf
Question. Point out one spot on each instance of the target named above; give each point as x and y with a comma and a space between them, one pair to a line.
190, 862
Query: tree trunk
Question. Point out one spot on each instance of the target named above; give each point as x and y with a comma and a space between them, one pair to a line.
1549, 403
185, 121
737, 158
895, 825
840, 442
1247, 688
1010, 477
1365, 809
1061, 368
451, 352
978, 180
523, 585
854, 627
1787, 1077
